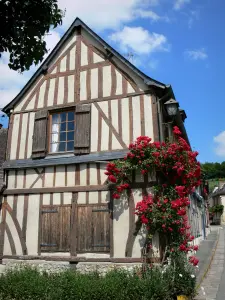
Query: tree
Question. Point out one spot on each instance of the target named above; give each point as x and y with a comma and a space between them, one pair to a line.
24, 24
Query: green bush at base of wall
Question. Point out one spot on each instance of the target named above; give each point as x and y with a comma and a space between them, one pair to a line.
29, 284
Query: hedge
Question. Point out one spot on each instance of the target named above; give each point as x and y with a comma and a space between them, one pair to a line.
28, 283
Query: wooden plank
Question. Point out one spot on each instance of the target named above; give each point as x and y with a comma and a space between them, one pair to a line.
120, 119
114, 81
90, 188
2, 228
77, 175
9, 141
46, 93
100, 82
74, 217
82, 130
155, 118
15, 201
25, 212
40, 224
10, 238
40, 134
67, 105
111, 225
64, 228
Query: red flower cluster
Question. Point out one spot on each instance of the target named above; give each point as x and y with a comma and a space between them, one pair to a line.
194, 260
166, 211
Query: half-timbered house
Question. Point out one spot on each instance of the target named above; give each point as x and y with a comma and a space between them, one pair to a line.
81, 108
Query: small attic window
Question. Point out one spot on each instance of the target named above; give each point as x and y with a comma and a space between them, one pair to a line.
61, 133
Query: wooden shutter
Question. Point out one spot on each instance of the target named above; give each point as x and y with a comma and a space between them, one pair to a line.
93, 228
82, 129
40, 134
55, 231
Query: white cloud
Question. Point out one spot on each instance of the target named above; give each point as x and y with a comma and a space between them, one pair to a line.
139, 40
179, 4
198, 54
105, 14
149, 14
220, 141
194, 15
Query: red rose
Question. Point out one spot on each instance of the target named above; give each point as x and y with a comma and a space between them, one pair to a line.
116, 196
112, 178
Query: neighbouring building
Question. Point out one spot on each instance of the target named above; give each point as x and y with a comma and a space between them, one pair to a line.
218, 198
81, 109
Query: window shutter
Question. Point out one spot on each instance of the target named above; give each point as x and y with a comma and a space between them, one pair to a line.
40, 134
93, 228
55, 231
82, 129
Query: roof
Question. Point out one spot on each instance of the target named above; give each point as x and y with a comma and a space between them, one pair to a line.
148, 80
218, 192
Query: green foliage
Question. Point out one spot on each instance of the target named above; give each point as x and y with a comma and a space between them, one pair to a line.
26, 284
181, 276
213, 170
216, 209
24, 25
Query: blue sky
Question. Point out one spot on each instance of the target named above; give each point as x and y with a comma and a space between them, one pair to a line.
178, 42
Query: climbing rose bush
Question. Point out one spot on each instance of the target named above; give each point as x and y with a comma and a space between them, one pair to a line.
178, 171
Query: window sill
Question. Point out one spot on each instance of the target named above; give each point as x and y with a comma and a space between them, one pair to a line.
59, 154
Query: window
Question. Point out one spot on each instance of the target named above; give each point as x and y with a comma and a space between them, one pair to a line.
62, 128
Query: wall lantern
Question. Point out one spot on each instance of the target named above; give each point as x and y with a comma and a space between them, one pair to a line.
171, 107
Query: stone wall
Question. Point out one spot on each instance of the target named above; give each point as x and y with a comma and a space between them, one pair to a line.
58, 266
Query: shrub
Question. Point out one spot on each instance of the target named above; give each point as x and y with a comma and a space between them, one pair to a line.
29, 284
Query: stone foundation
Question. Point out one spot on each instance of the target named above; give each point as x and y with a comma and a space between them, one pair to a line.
59, 266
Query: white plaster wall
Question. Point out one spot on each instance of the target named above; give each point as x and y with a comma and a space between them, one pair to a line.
141, 236
23, 136
67, 198
120, 226
107, 81
31, 103
46, 199
148, 116
60, 91
11, 179
72, 55
20, 177
63, 65
83, 174
60, 176
83, 85
32, 224
119, 88
71, 92
136, 117
126, 121
94, 83
41, 95
81, 198
222, 197
49, 175
97, 58
71, 175
84, 54
15, 140
51, 92
20, 206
